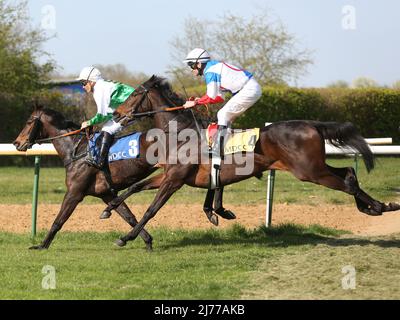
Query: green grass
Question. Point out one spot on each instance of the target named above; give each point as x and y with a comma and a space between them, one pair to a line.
381, 183
286, 261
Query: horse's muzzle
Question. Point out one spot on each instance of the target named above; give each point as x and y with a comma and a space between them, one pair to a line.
22, 147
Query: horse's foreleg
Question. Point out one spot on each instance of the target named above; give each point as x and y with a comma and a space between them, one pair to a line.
218, 206
167, 189
148, 184
126, 214
71, 200
208, 207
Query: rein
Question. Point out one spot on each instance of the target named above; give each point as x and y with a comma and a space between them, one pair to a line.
127, 119
60, 136
149, 113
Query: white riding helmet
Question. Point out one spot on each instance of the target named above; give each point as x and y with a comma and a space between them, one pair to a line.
90, 74
197, 55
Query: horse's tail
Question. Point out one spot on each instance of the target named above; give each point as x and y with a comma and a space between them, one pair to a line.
346, 135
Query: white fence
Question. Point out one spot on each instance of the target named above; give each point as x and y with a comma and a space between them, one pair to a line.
8, 149
37, 151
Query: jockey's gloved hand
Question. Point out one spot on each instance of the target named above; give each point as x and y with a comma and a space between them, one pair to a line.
85, 124
189, 104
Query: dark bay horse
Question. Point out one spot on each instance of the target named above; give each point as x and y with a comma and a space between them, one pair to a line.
81, 179
295, 146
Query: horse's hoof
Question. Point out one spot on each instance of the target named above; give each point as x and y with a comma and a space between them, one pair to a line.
373, 213
226, 214
37, 248
393, 206
120, 243
105, 214
214, 220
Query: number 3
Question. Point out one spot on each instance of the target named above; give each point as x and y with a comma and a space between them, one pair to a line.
134, 148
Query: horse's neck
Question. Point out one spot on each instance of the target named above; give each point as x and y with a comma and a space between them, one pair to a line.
64, 146
164, 121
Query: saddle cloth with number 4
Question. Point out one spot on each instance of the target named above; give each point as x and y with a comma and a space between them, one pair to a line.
237, 140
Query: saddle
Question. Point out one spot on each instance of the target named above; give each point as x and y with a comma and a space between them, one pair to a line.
235, 141
238, 140
125, 147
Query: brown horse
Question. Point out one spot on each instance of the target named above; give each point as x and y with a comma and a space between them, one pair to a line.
295, 146
81, 179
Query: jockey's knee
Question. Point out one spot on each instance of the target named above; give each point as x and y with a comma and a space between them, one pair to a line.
223, 118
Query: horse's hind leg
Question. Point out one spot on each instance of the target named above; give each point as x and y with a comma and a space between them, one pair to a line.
166, 190
342, 179
363, 200
148, 184
126, 214
365, 203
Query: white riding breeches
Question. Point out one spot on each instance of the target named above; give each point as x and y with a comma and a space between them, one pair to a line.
111, 127
240, 102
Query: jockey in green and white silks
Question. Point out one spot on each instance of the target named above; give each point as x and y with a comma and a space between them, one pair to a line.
108, 95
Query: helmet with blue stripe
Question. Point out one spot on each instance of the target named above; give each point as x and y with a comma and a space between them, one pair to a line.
197, 55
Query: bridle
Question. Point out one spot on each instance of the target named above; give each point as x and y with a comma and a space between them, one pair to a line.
128, 119
35, 129
138, 104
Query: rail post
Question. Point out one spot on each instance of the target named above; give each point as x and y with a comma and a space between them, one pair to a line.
35, 195
270, 197
356, 163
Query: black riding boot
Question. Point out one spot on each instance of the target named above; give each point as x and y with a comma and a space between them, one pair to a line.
219, 142
106, 142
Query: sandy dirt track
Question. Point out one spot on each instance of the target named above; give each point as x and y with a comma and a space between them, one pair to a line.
17, 218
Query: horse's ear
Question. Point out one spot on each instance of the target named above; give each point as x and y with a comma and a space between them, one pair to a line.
36, 105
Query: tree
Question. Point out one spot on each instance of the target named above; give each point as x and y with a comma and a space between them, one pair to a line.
364, 82
396, 85
20, 48
338, 84
21, 75
119, 72
264, 48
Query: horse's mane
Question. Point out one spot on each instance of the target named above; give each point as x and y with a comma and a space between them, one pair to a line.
58, 120
165, 88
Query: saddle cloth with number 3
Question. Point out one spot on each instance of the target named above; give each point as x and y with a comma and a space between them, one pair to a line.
123, 148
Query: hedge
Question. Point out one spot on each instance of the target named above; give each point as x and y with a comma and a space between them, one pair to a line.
375, 112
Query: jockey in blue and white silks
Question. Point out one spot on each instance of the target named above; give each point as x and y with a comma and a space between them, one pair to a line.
221, 77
